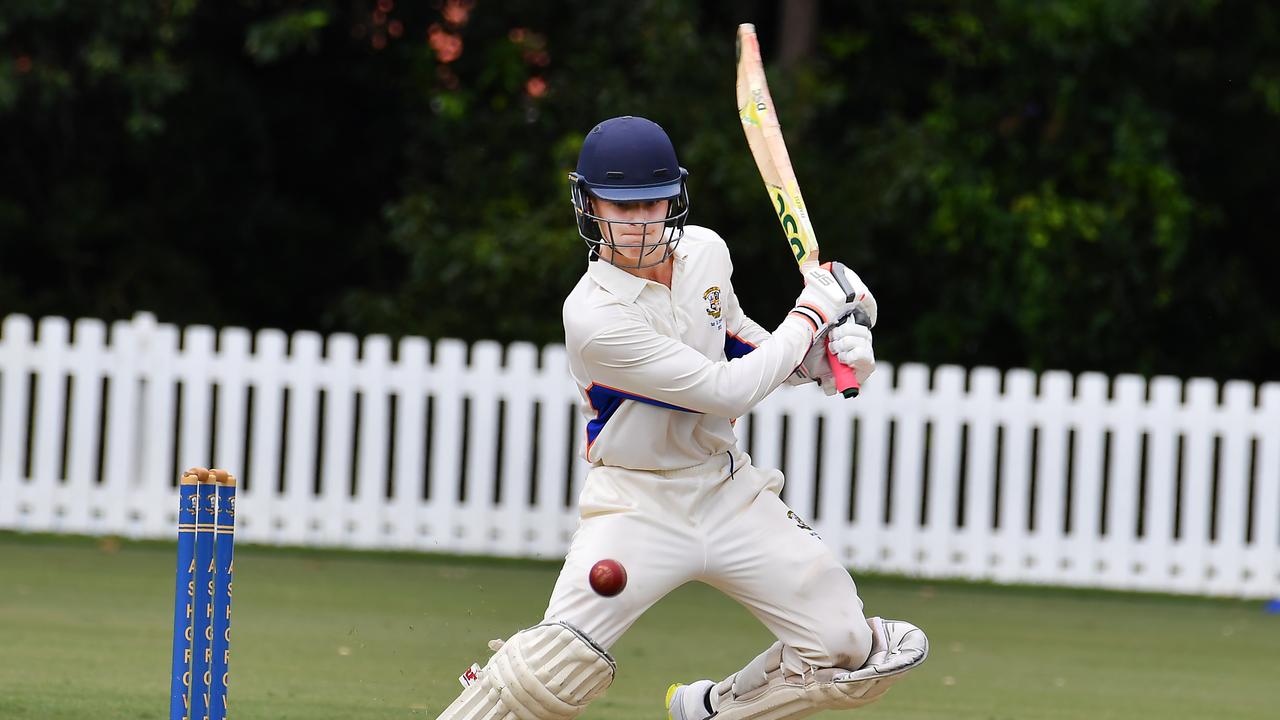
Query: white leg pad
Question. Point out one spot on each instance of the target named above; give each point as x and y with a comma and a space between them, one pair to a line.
548, 672
763, 690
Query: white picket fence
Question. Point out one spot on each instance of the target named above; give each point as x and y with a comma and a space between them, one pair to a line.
1011, 477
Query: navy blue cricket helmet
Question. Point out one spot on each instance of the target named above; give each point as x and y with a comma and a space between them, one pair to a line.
624, 160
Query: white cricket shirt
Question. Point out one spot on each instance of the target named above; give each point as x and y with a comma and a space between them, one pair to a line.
663, 372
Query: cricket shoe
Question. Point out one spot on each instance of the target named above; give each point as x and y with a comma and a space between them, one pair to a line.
689, 702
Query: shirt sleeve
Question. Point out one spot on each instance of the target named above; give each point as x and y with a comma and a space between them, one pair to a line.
635, 359
742, 334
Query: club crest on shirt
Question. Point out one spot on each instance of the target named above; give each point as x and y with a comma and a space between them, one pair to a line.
712, 297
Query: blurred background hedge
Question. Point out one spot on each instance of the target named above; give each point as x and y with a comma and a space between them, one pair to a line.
1079, 184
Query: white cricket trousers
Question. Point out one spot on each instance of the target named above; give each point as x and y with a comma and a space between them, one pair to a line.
721, 523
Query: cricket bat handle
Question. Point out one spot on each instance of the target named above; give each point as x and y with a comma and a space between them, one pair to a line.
845, 378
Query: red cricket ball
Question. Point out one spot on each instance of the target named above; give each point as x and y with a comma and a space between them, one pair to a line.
608, 577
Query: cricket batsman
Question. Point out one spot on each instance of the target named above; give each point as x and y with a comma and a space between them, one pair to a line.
665, 361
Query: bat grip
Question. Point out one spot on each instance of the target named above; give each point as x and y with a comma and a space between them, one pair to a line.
845, 378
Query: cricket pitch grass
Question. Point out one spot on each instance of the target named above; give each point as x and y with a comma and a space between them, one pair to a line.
86, 624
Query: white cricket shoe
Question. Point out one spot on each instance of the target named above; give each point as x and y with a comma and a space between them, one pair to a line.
688, 702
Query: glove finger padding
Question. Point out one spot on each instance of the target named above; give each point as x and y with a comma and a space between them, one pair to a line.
851, 344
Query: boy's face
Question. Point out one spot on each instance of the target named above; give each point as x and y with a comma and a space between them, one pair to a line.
634, 229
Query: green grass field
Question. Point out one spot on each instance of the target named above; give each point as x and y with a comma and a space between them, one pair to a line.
85, 627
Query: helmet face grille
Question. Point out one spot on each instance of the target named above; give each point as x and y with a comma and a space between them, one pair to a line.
650, 253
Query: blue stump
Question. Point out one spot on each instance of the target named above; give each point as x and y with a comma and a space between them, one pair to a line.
224, 548
183, 600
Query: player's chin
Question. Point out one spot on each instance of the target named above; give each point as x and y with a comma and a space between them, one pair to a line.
639, 245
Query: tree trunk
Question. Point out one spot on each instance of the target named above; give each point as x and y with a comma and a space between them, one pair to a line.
798, 20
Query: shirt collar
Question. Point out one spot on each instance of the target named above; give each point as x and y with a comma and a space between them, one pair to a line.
620, 283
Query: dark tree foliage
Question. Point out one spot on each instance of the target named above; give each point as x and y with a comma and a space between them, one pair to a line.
1083, 184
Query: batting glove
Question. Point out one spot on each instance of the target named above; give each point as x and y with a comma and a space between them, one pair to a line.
833, 291
850, 342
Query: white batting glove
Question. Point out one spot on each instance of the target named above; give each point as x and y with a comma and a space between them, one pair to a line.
851, 344
862, 298
815, 367
822, 301
827, 297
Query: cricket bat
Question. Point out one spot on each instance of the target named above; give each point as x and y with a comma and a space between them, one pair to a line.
764, 136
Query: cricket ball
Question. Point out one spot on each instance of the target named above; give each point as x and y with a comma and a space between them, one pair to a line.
608, 577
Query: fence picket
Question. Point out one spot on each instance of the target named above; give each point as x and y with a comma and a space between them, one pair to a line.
1049, 510
980, 474
43, 491
195, 375
260, 515
1197, 498
299, 518
149, 488
520, 379
1082, 545
486, 377
126, 417
1158, 565
939, 541
446, 445
15, 350
836, 477
87, 367
1263, 556
1012, 551
367, 523
1229, 548
905, 482
231, 364
871, 543
332, 523
408, 474
556, 444
801, 448
1123, 562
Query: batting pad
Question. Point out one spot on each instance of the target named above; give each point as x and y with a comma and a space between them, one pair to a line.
548, 672
764, 691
